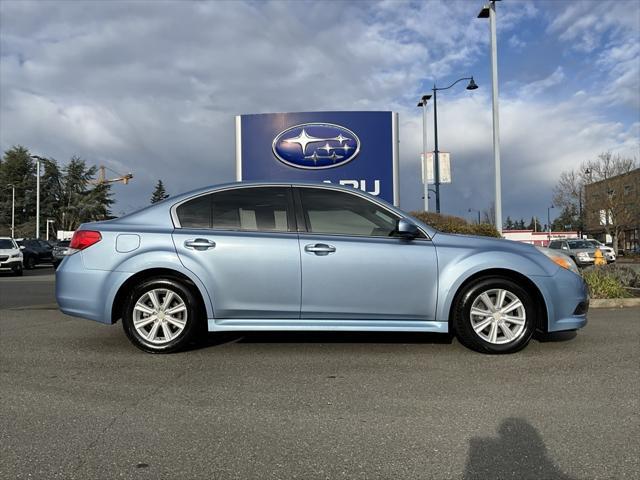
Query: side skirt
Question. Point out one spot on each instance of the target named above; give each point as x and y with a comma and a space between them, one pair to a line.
255, 324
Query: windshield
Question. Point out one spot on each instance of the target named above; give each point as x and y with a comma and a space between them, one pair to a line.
6, 244
579, 244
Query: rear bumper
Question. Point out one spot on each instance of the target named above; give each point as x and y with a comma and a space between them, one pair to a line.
85, 293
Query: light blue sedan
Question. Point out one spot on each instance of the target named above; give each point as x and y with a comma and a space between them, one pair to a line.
268, 256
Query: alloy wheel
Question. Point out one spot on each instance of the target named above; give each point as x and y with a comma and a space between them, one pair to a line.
159, 316
498, 316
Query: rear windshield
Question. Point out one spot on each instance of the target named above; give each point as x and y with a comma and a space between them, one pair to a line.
6, 244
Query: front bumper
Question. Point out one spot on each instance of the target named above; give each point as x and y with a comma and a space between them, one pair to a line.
567, 298
11, 264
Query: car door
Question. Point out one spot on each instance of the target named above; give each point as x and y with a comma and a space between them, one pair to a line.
242, 244
353, 267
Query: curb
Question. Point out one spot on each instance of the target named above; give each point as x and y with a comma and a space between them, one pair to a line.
614, 302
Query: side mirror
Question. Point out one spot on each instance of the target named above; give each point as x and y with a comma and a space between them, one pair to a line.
21, 247
406, 229
564, 247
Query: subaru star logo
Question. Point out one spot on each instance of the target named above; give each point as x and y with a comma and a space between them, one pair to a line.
315, 146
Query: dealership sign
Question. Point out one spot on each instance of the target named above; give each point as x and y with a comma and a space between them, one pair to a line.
358, 149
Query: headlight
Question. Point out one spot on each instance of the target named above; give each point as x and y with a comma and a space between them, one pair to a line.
16, 255
560, 259
583, 255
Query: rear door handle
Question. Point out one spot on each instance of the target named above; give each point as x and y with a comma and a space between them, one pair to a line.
200, 244
320, 249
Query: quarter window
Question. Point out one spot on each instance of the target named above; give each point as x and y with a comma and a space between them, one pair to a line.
341, 213
252, 209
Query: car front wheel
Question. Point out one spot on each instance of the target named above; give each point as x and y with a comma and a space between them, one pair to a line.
160, 316
495, 315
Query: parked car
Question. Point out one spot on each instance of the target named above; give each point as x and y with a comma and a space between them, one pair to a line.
10, 256
305, 256
60, 249
608, 252
580, 251
35, 252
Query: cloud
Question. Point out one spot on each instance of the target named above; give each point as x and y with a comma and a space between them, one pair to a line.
544, 84
153, 87
516, 43
608, 31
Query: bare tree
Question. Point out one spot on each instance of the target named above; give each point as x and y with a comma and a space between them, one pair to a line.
489, 214
569, 192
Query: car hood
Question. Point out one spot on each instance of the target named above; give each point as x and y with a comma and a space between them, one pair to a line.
590, 251
480, 242
8, 251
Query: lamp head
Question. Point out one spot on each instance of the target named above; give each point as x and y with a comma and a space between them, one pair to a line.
472, 85
423, 100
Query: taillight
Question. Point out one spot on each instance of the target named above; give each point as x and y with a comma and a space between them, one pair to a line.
83, 239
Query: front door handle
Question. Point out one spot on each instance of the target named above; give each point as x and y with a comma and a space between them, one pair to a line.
200, 244
320, 249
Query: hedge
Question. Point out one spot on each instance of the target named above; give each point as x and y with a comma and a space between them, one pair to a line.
453, 224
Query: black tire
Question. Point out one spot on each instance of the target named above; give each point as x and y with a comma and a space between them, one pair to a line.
17, 271
30, 263
193, 319
462, 319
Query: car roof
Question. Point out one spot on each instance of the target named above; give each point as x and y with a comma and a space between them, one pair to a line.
149, 214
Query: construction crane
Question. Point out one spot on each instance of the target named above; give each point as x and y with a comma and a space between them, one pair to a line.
102, 177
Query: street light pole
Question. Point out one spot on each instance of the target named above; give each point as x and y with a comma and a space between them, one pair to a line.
490, 12
436, 157
13, 210
49, 220
549, 224
423, 104
436, 152
37, 159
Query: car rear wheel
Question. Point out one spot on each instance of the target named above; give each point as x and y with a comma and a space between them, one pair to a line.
161, 316
495, 315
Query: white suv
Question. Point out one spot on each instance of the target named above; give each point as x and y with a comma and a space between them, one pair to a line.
10, 256
608, 252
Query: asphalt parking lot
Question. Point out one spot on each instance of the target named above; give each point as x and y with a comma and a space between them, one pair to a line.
77, 401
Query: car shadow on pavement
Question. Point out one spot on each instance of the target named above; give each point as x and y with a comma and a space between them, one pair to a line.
555, 336
222, 338
518, 452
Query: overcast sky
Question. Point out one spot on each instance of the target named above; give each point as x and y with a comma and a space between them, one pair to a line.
152, 87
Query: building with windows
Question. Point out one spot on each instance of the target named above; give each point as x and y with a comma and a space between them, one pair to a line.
614, 204
540, 239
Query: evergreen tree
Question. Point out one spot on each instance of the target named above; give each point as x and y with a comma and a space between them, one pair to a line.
508, 223
17, 168
159, 193
67, 195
